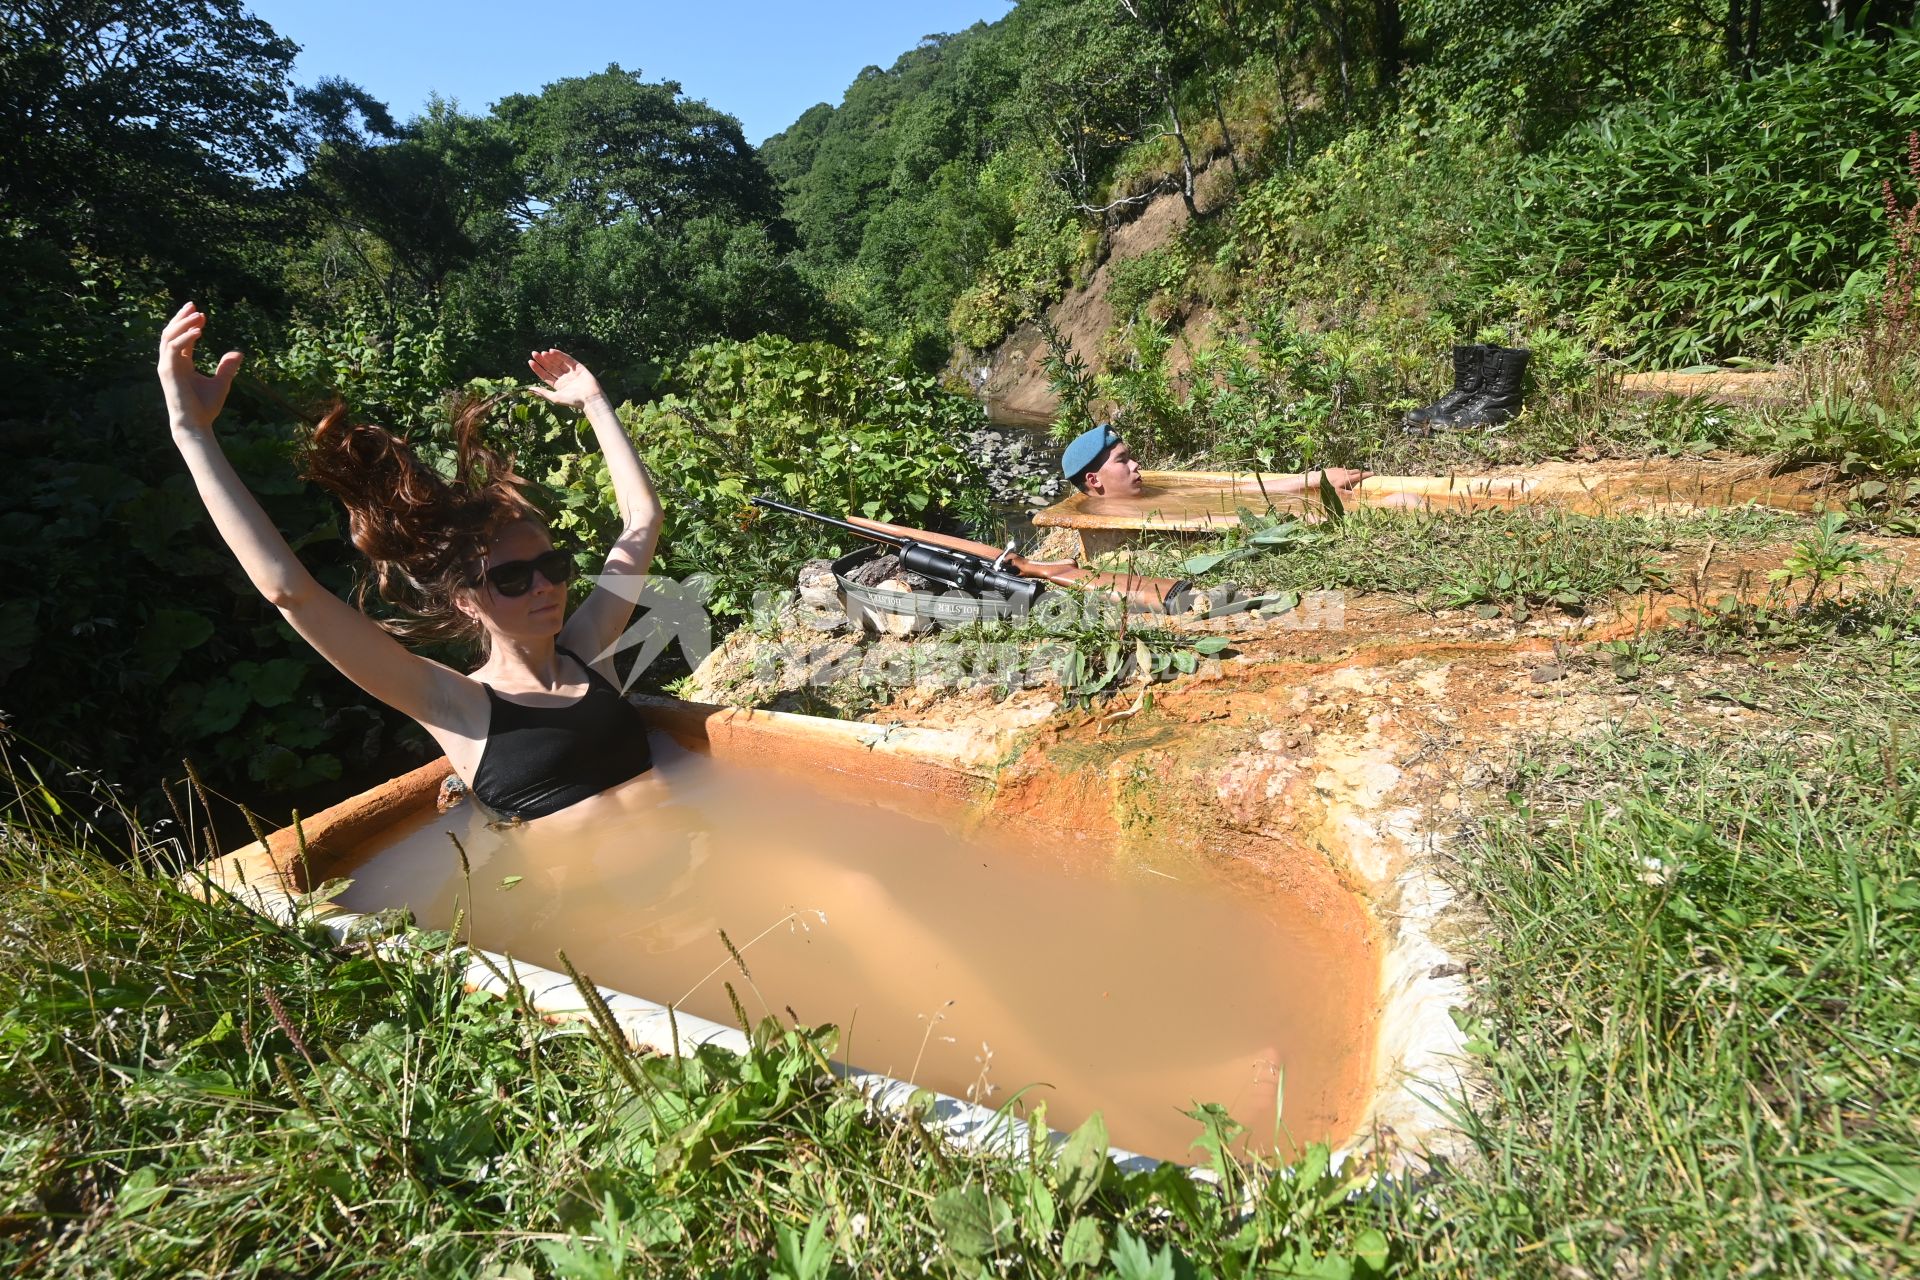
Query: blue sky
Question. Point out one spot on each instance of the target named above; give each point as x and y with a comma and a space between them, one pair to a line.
760, 60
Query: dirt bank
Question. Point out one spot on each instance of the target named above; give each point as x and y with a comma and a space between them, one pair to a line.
1011, 377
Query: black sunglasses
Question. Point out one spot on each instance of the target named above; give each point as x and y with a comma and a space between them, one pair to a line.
515, 577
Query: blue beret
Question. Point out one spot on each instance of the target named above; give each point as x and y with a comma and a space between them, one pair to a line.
1083, 451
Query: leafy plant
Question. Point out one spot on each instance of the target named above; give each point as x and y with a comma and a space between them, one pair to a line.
1725, 223
387, 364
1825, 557
1870, 441
858, 432
1135, 282
138, 641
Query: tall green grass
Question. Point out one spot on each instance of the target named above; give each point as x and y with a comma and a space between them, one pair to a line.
1699, 1010
1732, 223
1514, 561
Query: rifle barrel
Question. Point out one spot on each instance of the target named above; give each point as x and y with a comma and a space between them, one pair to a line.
870, 534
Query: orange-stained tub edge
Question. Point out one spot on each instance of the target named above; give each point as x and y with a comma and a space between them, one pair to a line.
1198, 504
1417, 1054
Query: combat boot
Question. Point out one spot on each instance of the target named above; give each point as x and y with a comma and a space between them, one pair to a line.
1468, 361
1503, 377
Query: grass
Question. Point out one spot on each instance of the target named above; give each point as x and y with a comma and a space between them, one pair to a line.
1698, 1008
1695, 1016
1851, 402
1586, 425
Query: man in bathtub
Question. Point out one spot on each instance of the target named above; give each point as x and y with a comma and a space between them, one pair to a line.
1099, 463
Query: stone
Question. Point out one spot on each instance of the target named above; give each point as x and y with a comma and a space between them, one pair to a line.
818, 588
897, 624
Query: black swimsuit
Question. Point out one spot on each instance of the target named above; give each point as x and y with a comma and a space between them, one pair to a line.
538, 760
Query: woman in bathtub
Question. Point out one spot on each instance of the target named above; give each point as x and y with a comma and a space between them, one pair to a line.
535, 728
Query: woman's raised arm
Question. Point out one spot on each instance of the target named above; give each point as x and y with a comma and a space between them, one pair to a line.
598, 622
353, 642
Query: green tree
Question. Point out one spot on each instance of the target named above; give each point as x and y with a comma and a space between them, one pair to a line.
842, 168
142, 129
140, 141
611, 147
850, 162
649, 225
407, 205
1085, 89
606, 213
632, 294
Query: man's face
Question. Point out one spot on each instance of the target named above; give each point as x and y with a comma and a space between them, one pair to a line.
1118, 476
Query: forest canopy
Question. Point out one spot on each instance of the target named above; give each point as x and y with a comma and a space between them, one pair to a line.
1660, 181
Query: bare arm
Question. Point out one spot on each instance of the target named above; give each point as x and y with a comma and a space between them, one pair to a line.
434, 695
1308, 482
600, 619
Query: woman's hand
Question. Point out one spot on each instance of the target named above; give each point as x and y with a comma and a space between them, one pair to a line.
193, 399
573, 384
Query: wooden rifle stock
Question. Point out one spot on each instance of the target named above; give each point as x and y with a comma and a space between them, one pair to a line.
1148, 595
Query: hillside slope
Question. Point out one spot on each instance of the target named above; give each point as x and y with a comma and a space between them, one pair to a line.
1011, 376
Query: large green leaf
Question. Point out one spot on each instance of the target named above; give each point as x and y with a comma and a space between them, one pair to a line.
1213, 560
1082, 1162
272, 683
971, 1222
1083, 1245
167, 637
219, 708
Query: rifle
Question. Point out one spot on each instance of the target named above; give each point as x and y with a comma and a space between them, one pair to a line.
1142, 594
957, 570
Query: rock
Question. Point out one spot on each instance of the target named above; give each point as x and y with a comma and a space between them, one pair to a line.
897, 624
1019, 466
880, 570
818, 588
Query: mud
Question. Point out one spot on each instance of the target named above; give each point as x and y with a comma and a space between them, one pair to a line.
1333, 767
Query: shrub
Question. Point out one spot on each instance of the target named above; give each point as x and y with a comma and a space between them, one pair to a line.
137, 640
1378, 217
1706, 226
856, 431
1282, 396
1135, 282
388, 363
1029, 271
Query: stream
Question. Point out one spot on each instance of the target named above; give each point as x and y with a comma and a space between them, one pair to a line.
1021, 461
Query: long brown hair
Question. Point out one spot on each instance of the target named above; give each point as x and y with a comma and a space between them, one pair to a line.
424, 534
